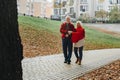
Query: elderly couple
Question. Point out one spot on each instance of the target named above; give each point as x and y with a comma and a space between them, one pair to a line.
71, 35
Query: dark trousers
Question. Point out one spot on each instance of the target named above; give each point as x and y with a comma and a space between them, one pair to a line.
67, 48
78, 52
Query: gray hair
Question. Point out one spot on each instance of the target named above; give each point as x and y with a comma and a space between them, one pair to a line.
67, 17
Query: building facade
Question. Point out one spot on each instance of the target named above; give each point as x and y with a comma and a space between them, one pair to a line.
77, 8
74, 8
38, 8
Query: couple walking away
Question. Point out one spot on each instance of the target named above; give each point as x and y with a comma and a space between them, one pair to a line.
71, 35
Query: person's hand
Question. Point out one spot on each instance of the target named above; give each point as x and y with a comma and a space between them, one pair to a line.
66, 35
69, 32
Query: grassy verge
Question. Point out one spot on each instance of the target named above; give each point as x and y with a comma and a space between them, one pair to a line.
40, 23
98, 40
42, 37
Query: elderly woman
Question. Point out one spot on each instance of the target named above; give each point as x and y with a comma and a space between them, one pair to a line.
78, 40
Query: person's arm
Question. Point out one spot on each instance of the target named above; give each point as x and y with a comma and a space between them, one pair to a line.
62, 30
73, 28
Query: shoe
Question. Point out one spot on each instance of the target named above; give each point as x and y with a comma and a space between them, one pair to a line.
65, 61
70, 60
68, 63
77, 61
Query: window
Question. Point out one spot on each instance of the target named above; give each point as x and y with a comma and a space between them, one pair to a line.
71, 2
118, 1
110, 1
56, 3
81, 8
64, 3
60, 11
99, 7
114, 1
56, 11
84, 8
64, 11
83, 1
110, 8
27, 5
71, 10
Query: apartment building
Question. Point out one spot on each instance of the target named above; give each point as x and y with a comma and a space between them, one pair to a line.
76, 8
22, 6
113, 3
38, 8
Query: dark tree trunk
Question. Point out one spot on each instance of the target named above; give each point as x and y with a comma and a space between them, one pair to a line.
11, 49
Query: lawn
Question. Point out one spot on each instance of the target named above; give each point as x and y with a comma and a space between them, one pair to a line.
98, 40
42, 37
40, 23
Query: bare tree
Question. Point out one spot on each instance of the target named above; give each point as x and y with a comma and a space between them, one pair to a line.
11, 49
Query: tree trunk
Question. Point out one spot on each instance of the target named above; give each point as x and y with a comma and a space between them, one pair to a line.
11, 49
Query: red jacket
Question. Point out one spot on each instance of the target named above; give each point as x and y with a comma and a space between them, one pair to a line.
78, 35
64, 29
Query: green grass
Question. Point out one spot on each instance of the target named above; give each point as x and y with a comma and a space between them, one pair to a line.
98, 40
94, 39
40, 23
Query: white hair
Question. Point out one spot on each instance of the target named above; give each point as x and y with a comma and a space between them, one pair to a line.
67, 17
79, 23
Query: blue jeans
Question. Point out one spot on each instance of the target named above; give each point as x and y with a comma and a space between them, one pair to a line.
80, 50
67, 48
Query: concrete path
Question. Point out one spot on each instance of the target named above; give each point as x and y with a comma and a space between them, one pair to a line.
52, 67
108, 27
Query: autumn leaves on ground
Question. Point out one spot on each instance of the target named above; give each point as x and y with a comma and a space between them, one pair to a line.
38, 41
41, 37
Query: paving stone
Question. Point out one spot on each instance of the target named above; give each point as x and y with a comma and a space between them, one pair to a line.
52, 67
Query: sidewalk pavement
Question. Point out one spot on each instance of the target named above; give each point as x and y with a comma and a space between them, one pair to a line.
52, 67
108, 27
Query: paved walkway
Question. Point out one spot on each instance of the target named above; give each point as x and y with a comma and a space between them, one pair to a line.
108, 27
52, 67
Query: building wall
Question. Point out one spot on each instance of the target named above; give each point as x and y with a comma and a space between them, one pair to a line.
40, 8
91, 7
43, 9
49, 10
22, 6
37, 9
77, 8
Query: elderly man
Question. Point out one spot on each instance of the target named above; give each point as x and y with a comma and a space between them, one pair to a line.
66, 29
